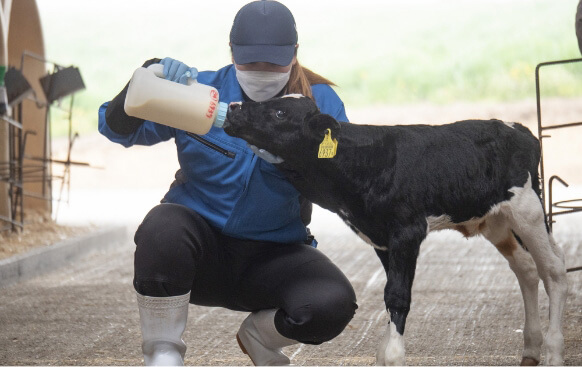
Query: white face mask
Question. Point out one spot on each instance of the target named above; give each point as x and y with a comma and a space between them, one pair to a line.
262, 85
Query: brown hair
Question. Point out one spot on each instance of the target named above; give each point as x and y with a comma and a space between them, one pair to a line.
301, 80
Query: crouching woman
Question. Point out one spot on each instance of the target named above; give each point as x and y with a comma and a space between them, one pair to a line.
231, 231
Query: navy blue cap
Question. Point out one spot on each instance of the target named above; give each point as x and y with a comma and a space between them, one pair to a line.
263, 31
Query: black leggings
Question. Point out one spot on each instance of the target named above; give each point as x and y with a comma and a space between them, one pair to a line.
177, 252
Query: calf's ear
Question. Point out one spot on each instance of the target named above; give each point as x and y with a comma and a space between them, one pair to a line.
319, 124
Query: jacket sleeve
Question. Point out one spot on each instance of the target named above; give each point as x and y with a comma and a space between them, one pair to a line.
147, 133
116, 118
127, 130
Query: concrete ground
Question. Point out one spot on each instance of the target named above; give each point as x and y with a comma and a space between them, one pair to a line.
466, 310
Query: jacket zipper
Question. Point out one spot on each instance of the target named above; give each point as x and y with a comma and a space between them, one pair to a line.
213, 146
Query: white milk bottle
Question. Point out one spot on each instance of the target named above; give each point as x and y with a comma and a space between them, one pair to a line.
193, 108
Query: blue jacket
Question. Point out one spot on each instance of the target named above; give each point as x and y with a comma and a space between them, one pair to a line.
234, 190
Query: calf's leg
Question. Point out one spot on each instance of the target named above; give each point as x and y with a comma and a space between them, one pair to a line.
525, 269
528, 221
390, 351
399, 262
497, 231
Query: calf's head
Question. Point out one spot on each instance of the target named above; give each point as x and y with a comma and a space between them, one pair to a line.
287, 126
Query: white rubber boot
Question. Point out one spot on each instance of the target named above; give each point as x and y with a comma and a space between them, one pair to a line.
259, 338
163, 321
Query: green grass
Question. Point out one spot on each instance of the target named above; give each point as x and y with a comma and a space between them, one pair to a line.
378, 52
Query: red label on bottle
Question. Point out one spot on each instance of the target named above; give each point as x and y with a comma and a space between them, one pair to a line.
213, 103
211, 109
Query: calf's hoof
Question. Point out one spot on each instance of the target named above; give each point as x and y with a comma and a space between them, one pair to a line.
529, 362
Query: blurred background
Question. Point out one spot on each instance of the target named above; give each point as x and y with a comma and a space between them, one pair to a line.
394, 61
377, 52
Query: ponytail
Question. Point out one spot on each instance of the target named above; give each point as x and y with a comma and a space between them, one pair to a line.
301, 80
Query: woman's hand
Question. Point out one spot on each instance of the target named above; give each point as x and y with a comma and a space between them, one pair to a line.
177, 71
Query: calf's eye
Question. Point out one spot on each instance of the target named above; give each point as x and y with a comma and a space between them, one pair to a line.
280, 114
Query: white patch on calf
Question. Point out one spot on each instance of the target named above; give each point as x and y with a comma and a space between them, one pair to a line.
360, 234
524, 202
510, 124
438, 223
471, 227
391, 349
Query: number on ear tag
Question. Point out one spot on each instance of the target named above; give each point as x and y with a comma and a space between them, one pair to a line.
328, 147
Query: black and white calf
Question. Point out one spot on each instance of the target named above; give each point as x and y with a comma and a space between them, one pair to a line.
394, 184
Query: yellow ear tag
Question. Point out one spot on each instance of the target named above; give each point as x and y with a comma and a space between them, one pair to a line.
328, 147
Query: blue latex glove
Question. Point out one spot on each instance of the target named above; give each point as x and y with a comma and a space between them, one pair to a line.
177, 71
262, 153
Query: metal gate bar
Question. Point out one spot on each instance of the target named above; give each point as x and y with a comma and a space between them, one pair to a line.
565, 206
